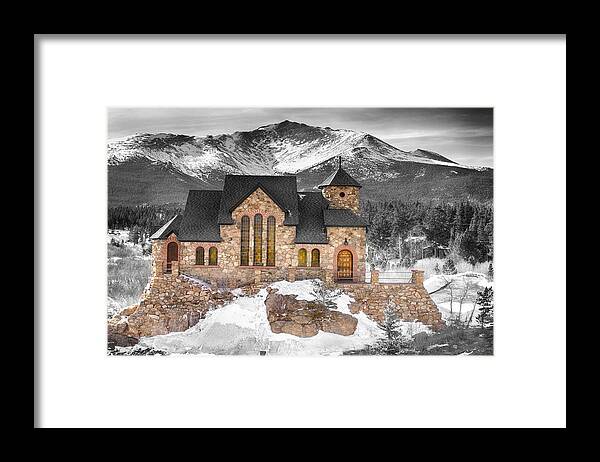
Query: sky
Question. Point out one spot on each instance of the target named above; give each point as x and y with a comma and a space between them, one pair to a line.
464, 135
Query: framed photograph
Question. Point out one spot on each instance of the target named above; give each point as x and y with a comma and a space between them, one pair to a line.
237, 229
294, 238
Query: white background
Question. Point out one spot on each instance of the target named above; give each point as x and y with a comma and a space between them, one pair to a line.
523, 384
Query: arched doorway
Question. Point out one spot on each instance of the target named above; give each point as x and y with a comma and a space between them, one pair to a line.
172, 254
344, 265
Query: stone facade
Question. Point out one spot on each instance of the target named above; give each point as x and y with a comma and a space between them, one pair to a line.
228, 272
343, 197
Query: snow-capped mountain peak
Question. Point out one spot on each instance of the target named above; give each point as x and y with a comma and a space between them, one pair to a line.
286, 147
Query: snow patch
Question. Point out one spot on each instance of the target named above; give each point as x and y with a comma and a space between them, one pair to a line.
448, 299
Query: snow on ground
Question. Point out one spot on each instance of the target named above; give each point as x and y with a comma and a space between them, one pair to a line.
448, 299
117, 235
128, 271
241, 327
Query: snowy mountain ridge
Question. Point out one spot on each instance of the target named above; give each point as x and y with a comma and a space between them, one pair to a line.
282, 148
162, 167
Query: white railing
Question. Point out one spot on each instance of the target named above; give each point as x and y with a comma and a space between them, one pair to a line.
392, 277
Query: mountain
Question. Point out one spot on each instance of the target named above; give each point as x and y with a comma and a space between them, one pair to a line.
161, 168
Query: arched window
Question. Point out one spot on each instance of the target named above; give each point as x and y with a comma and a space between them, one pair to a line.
271, 241
172, 255
302, 257
258, 251
315, 258
199, 255
213, 256
245, 242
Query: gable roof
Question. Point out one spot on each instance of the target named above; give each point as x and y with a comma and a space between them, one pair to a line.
206, 210
339, 178
171, 226
343, 217
281, 189
311, 227
199, 222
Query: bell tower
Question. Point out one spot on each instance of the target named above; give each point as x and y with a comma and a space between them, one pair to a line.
341, 190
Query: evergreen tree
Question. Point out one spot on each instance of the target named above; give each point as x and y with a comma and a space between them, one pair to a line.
449, 267
436, 226
134, 235
472, 261
466, 227
485, 300
490, 272
468, 245
392, 342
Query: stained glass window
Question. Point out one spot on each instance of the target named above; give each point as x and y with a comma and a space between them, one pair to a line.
258, 251
271, 241
212, 256
245, 242
302, 257
199, 255
315, 259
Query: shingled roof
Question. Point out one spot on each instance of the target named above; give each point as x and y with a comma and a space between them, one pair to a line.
342, 217
171, 226
199, 221
206, 210
339, 178
281, 189
311, 227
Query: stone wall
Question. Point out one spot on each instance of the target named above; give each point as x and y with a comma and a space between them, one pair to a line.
174, 303
170, 303
411, 301
351, 199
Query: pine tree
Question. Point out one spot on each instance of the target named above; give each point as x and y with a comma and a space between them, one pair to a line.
490, 271
485, 299
134, 235
392, 343
449, 267
472, 261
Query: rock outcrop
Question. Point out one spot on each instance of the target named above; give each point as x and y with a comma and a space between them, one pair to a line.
170, 304
287, 314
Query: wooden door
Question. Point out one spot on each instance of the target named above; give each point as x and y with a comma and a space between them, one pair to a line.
344, 265
172, 254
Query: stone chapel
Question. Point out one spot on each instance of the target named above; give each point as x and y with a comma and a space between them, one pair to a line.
263, 228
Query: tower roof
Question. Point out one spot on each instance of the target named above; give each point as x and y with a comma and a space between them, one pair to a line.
339, 178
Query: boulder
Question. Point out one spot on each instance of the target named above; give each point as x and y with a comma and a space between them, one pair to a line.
119, 333
286, 314
129, 310
339, 323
